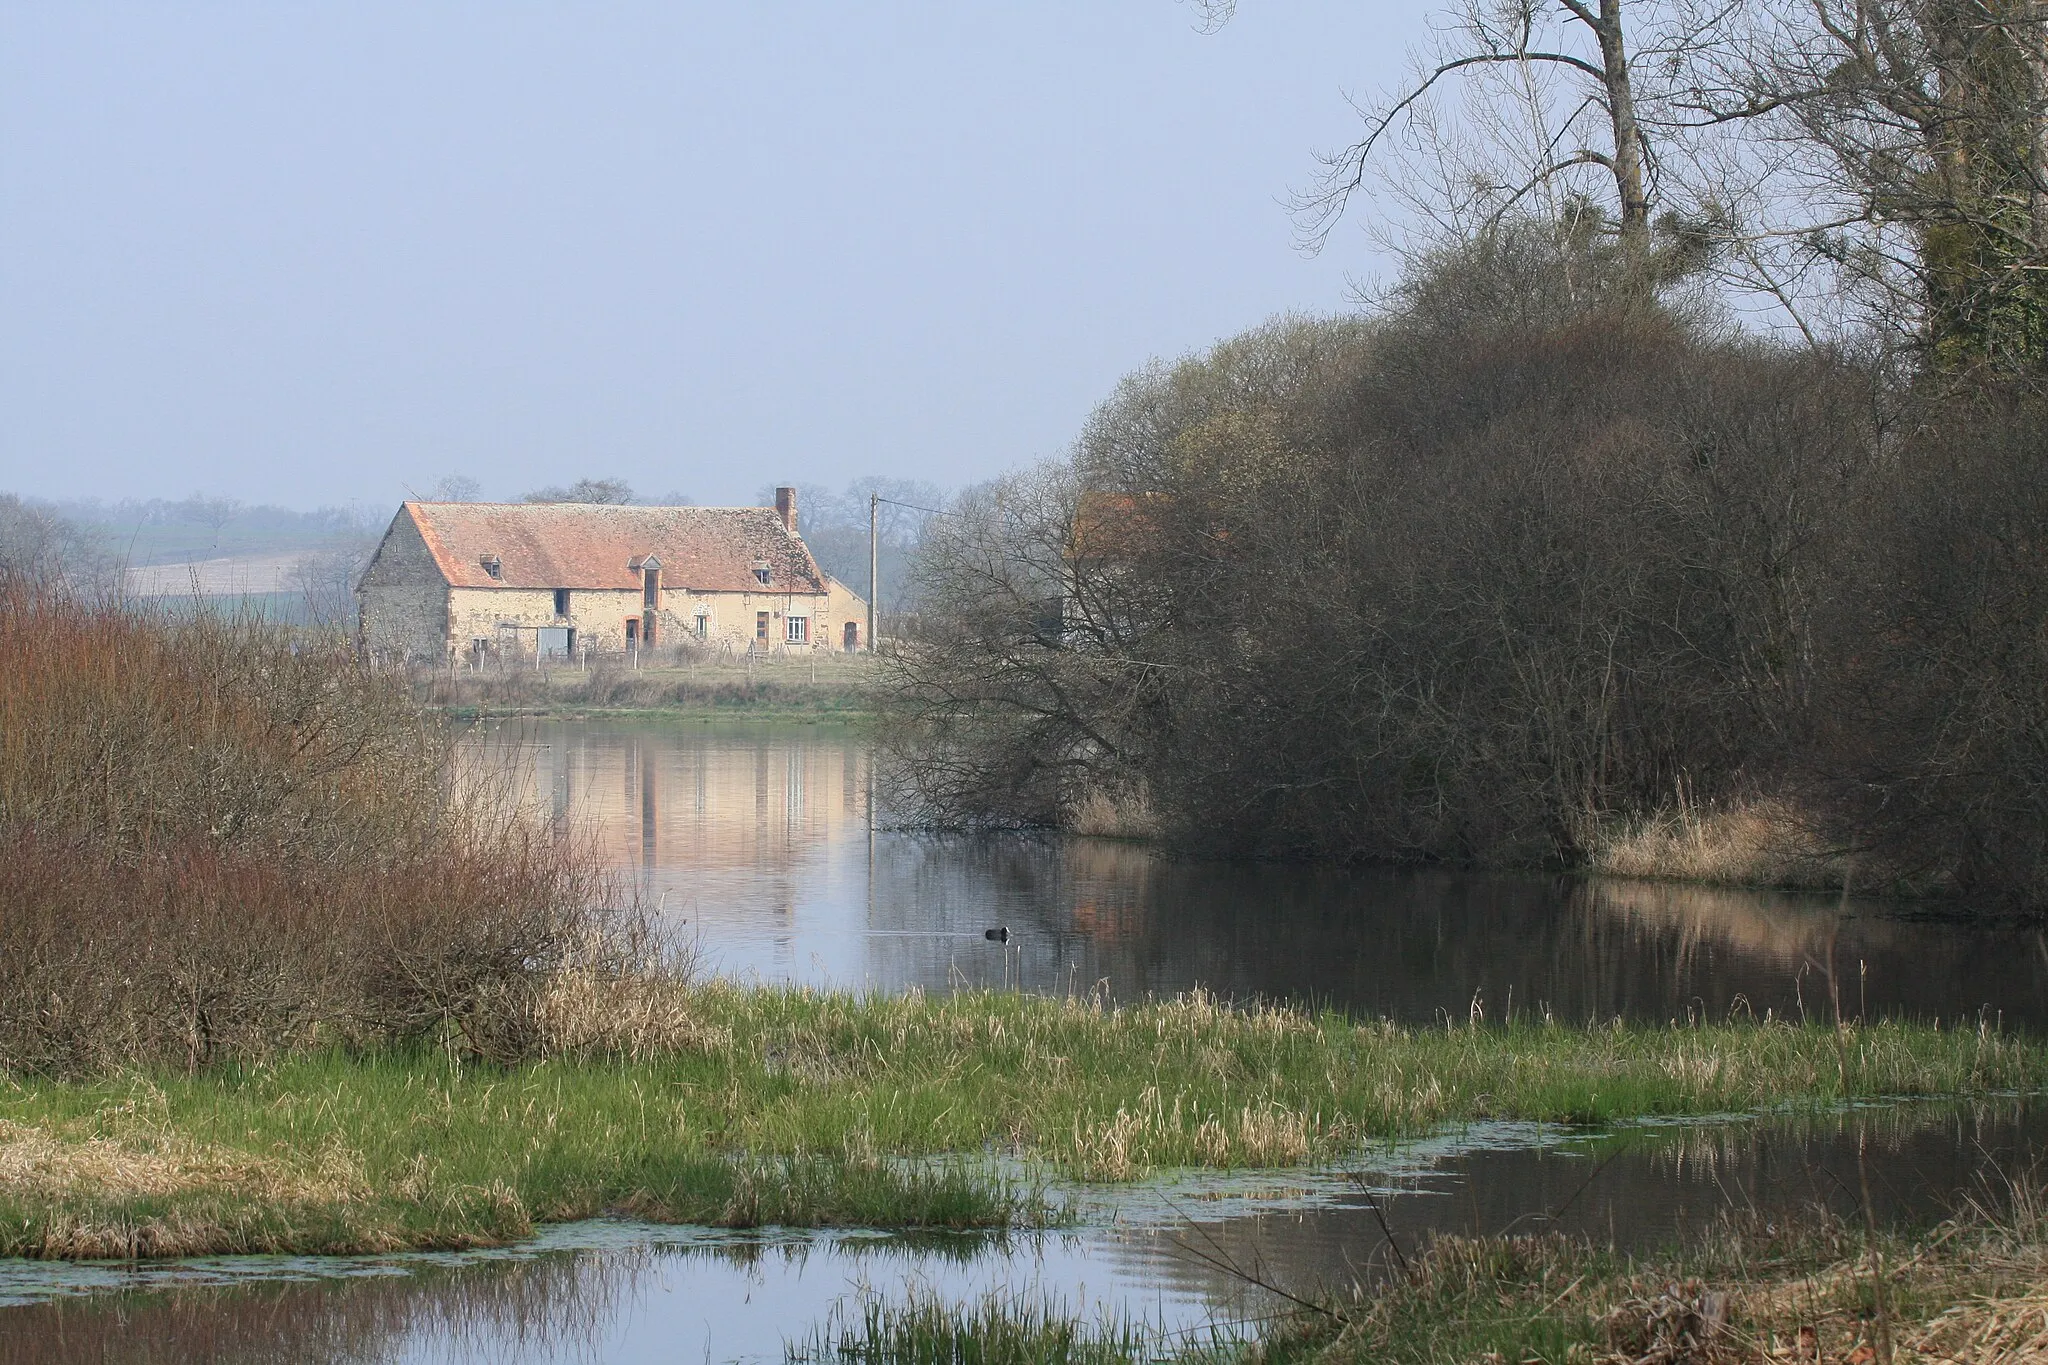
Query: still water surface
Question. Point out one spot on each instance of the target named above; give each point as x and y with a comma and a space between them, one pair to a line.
756, 840
757, 844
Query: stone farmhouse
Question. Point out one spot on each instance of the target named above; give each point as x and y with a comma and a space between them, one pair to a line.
469, 582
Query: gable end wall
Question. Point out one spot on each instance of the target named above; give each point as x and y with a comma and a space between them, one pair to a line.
402, 600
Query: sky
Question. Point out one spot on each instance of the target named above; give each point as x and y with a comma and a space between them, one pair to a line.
327, 253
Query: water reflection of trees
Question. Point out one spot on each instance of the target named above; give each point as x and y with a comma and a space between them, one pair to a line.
556, 1307
1426, 944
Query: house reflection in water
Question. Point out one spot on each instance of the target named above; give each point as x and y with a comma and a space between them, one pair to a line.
753, 840
727, 827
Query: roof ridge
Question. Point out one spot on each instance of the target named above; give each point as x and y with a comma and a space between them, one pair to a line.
571, 545
609, 506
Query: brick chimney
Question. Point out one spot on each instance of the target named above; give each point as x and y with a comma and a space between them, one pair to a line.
785, 507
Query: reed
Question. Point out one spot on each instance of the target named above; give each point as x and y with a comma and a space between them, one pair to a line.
1759, 842
728, 1104
999, 1329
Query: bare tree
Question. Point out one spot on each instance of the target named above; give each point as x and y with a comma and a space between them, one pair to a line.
42, 548
1551, 87
325, 582
1899, 151
1008, 709
1463, 580
835, 526
211, 511
457, 488
608, 491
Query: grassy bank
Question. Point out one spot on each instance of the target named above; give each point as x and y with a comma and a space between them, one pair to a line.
825, 686
734, 1105
1815, 1289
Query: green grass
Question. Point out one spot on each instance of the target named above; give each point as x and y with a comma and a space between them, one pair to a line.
927, 1330
729, 1104
833, 686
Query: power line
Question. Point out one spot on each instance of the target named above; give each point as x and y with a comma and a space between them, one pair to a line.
934, 511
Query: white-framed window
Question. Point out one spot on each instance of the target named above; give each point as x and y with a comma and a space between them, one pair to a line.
703, 623
799, 629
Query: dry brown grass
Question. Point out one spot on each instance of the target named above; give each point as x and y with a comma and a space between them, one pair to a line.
1795, 1290
38, 1163
1811, 1318
1761, 842
631, 1015
122, 1185
2002, 1331
1103, 815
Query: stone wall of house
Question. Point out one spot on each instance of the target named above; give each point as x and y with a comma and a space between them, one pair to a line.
504, 620
486, 622
846, 606
401, 603
734, 619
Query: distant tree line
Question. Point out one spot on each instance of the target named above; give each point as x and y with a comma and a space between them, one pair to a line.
84, 547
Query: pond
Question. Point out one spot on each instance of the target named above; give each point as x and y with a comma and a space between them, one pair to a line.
756, 844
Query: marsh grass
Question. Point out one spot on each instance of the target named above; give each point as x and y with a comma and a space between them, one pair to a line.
1810, 1287
335, 1155
999, 1329
1760, 842
1105, 1092
1814, 1288
718, 1103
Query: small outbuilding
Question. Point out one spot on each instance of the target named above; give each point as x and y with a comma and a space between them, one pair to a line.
476, 580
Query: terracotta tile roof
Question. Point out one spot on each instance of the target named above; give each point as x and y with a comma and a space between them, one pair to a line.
591, 545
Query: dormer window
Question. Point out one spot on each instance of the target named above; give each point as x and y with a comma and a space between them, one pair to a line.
493, 566
761, 573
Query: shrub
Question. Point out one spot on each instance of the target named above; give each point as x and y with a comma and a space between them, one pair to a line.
218, 840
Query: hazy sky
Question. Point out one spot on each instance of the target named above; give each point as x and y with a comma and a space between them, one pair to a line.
319, 252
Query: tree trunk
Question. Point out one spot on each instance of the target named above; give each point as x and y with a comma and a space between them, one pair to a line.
1628, 135
2034, 37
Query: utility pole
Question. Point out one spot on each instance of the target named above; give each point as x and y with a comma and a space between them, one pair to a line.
874, 567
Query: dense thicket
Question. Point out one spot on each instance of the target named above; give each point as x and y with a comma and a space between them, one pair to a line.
1477, 575
216, 840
